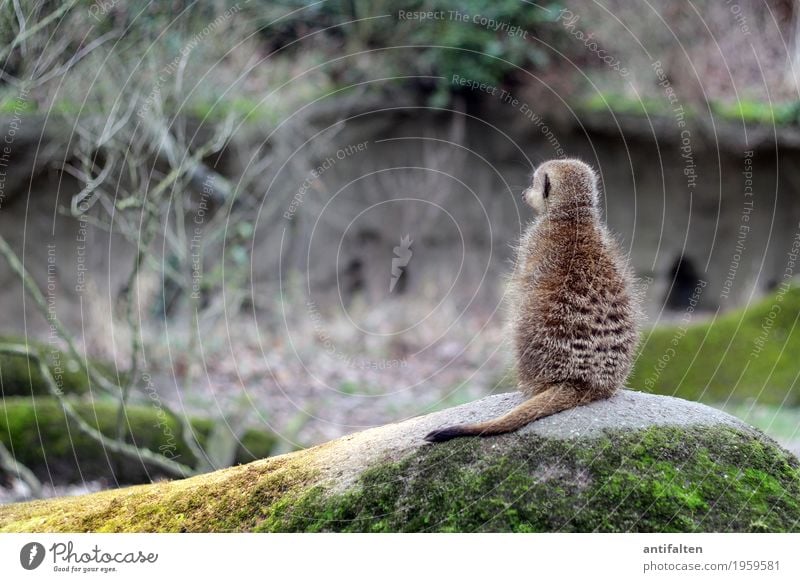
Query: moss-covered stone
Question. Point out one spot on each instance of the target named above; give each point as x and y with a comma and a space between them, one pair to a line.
661, 479
19, 376
704, 476
233, 499
745, 353
43, 439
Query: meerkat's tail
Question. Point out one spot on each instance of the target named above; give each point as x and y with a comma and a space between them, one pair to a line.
547, 402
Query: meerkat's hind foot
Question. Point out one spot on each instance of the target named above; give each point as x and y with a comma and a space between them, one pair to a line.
445, 434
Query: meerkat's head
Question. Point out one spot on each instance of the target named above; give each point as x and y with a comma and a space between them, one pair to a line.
562, 185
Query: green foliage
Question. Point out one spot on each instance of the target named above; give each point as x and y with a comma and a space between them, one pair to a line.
486, 41
43, 439
750, 353
472, 49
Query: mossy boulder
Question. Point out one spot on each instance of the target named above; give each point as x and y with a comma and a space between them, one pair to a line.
20, 376
636, 462
43, 439
748, 353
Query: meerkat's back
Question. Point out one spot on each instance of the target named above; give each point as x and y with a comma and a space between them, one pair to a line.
575, 315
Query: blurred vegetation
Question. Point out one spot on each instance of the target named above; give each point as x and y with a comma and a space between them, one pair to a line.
330, 45
20, 376
780, 422
43, 439
619, 103
746, 111
490, 50
718, 361
322, 48
759, 112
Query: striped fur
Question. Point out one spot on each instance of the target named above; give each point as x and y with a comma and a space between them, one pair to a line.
575, 313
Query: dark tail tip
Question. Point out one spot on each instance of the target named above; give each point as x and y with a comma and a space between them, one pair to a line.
445, 434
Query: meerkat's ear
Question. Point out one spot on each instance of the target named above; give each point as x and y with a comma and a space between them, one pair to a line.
546, 191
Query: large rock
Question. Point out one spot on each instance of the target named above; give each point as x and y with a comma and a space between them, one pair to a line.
636, 462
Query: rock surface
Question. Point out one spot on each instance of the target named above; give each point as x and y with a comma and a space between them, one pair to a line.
635, 462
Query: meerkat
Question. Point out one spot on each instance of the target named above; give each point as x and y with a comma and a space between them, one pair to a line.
575, 311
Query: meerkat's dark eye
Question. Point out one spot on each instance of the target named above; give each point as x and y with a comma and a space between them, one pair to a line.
546, 186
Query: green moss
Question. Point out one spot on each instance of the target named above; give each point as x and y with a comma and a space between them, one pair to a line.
19, 376
748, 111
623, 104
747, 353
764, 112
43, 439
660, 479
233, 499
